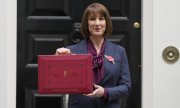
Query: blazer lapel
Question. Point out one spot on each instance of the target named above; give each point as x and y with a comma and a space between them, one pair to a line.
109, 49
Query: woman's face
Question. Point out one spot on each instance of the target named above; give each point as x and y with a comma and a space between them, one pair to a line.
96, 25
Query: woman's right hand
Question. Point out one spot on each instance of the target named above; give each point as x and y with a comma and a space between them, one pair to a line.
62, 51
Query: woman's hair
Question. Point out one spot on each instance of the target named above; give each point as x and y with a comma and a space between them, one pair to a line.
95, 9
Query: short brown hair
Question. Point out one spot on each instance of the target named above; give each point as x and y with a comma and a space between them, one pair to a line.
94, 9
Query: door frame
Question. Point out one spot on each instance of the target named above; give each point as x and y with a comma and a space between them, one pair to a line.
11, 42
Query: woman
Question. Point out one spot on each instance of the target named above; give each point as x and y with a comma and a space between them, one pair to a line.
111, 71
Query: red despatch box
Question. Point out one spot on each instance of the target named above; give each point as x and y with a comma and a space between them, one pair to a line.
65, 74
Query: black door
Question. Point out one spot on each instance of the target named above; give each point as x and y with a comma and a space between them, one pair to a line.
45, 25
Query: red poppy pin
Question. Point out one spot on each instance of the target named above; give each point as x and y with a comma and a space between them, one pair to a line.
110, 58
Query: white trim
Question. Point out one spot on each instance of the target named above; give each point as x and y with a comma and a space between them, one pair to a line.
147, 52
11, 29
3, 74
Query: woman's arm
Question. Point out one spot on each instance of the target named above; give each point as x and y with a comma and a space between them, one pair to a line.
124, 84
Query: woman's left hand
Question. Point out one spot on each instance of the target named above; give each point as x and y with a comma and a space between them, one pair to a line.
98, 92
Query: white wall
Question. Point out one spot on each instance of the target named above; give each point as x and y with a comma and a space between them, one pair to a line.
161, 28
166, 77
3, 74
160, 25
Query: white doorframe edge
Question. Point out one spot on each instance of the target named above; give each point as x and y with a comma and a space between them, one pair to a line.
147, 54
11, 36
